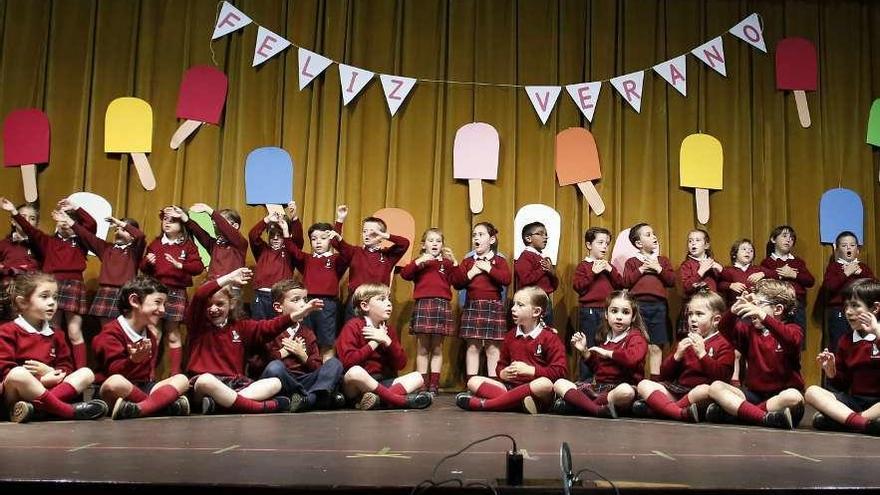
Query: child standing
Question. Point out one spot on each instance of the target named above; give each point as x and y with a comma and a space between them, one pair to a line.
36, 369
432, 315
647, 276
594, 280
119, 263
699, 271
781, 264
16, 257
173, 259
371, 353
740, 277
532, 357
618, 363
483, 323
854, 368
127, 353
273, 262
64, 257
532, 268
843, 269
229, 248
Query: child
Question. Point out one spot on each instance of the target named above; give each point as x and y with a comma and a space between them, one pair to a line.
617, 364
483, 323
647, 275
321, 271
841, 271
296, 359
64, 257
229, 248
431, 274
772, 348
371, 353
36, 368
16, 257
594, 280
217, 341
699, 271
533, 269
173, 259
701, 358
740, 277
119, 263
854, 368
371, 264
273, 262
781, 264
532, 357
127, 353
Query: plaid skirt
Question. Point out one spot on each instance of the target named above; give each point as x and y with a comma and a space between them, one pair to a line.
596, 391
72, 296
175, 305
676, 389
483, 319
234, 382
432, 315
105, 303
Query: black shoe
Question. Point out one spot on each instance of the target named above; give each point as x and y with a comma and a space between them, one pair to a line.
797, 414
179, 407
463, 400
641, 409
873, 427
208, 405
418, 400
330, 400
717, 414
298, 403
607, 411
824, 423
21, 412
282, 404
124, 409
779, 419
560, 406
93, 409
693, 413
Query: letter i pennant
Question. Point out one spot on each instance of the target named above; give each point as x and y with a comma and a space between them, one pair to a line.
353, 80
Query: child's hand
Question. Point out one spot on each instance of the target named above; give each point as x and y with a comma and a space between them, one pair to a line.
698, 344
521, 369
341, 213
37, 368
151, 258
378, 335
116, 222
717, 266
484, 265
291, 210
52, 378
851, 268
176, 212
654, 265
605, 353
868, 321
705, 266
66, 205
298, 349
547, 265
201, 208
507, 374
753, 278
738, 287
579, 341
683, 344
141, 351
827, 361
173, 261
8, 206
752, 311
424, 259
62, 218
786, 271
239, 276
310, 307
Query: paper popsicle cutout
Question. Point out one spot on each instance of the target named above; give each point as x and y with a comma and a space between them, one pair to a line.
201, 100
577, 162
874, 125
128, 128
25, 144
98, 207
399, 222
475, 158
268, 178
207, 223
538, 213
797, 70
702, 167
839, 210
624, 250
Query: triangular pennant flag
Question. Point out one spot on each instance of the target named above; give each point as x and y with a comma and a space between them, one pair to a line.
712, 54
675, 72
630, 87
311, 65
353, 80
268, 45
585, 96
543, 98
396, 90
749, 30
230, 19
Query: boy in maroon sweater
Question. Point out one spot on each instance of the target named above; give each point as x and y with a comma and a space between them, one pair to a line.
843, 269
229, 248
127, 352
16, 257
372, 356
310, 382
274, 262
532, 268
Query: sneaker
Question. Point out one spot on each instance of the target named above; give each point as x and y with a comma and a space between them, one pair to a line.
282, 404
641, 409
298, 403
335, 401
418, 400
529, 405
797, 414
779, 419
607, 411
368, 401
21, 412
822, 422
208, 405
124, 409
179, 407
693, 413
717, 414
93, 409
463, 400
560, 406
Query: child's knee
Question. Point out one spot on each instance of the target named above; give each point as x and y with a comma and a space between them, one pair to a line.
791, 397
115, 385
541, 386
275, 368
717, 388
562, 386
355, 373
180, 382
813, 394
204, 382
625, 391
18, 375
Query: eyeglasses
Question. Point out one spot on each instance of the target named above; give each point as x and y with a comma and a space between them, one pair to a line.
763, 302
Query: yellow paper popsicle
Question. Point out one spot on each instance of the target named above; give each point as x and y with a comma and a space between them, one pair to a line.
128, 128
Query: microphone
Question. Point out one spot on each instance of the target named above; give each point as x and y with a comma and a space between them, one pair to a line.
565, 468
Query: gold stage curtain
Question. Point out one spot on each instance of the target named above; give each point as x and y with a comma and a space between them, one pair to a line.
72, 57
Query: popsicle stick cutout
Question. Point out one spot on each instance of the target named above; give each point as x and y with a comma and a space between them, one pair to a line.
624, 250
577, 162
268, 178
25, 144
200, 101
399, 222
797, 71
839, 210
207, 223
96, 206
128, 128
538, 213
702, 167
874, 125
475, 158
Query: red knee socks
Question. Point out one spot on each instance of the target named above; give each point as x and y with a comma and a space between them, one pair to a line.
579, 400
751, 413
250, 406
394, 395
505, 401
175, 357
856, 421
79, 355
665, 406
158, 399
489, 390
64, 391
53, 405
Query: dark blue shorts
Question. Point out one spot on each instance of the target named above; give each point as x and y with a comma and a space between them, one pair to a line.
325, 323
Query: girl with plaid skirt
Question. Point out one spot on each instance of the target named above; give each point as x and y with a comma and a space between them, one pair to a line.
16, 257
483, 320
173, 259
119, 263
431, 275
64, 257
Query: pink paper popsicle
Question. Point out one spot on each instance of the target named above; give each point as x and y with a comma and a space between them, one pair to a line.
475, 158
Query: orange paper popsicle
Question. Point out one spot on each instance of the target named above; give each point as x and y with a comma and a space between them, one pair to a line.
399, 222
702, 167
577, 162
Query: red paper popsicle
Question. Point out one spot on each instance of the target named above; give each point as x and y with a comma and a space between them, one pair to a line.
26, 143
201, 100
796, 70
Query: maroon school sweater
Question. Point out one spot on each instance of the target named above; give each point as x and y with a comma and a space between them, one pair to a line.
801, 283
273, 265
627, 361
184, 252
858, 366
732, 274
773, 355
118, 264
321, 274
227, 250
690, 371
354, 350
294, 365
113, 349
430, 279
692, 282
835, 281
16, 257
485, 286
545, 352
17, 345
648, 285
529, 272
65, 259
371, 266
593, 289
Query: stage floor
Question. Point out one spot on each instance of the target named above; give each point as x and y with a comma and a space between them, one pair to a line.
396, 450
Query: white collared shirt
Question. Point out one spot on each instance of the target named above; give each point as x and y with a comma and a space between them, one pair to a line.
533, 333
869, 337
618, 338
646, 257
533, 250
702, 258
711, 335
123, 247
845, 262
782, 257
291, 331
167, 241
370, 323
589, 259
744, 268
45, 331
130, 332
488, 256
325, 254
